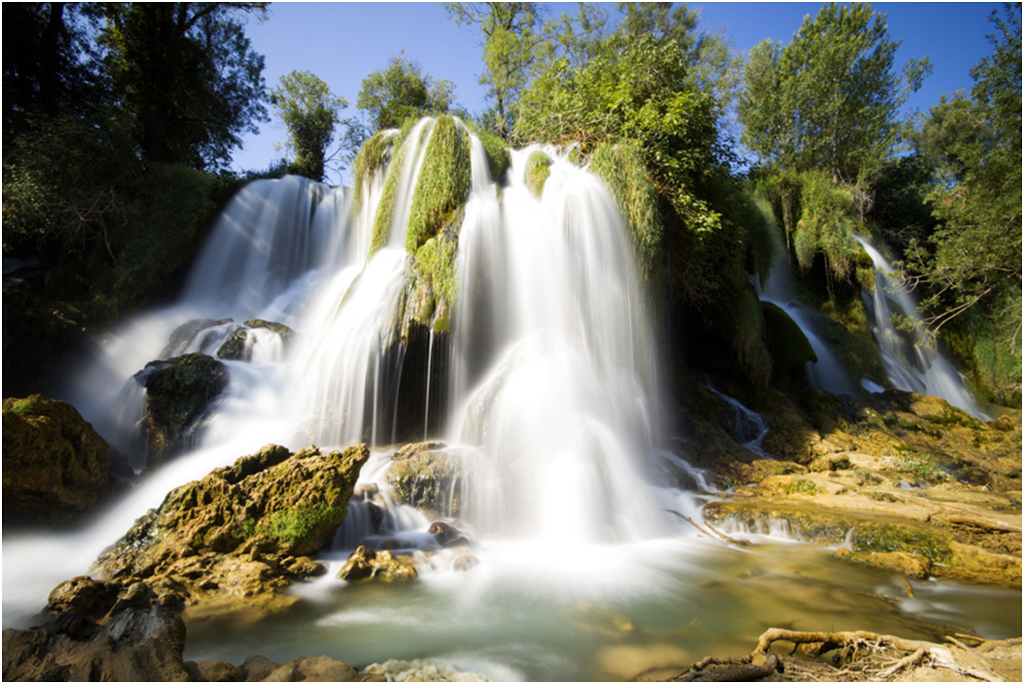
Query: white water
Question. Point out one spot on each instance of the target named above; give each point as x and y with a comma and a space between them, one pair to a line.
911, 365
827, 373
554, 403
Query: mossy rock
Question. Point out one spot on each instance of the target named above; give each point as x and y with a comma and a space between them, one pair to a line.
911, 564
373, 157
444, 182
244, 530
538, 168
427, 477
179, 392
621, 167
55, 466
903, 537
786, 342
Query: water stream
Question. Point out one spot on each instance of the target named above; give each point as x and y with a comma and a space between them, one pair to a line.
910, 364
553, 403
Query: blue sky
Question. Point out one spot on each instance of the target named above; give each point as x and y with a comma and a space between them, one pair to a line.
343, 42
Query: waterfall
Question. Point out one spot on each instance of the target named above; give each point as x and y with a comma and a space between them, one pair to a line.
911, 365
827, 374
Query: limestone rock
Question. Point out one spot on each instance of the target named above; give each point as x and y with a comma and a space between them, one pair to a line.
243, 531
428, 476
55, 466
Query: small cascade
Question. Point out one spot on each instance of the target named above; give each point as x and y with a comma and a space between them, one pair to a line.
749, 427
911, 365
827, 374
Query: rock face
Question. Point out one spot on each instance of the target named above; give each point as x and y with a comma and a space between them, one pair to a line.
179, 391
242, 532
905, 482
427, 477
55, 466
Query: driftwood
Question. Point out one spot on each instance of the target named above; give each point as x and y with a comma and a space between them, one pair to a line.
865, 656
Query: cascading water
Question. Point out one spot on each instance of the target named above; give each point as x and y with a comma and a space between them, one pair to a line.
827, 373
552, 409
911, 365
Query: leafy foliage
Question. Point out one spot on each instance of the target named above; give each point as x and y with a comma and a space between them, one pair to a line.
973, 258
186, 75
310, 111
402, 91
829, 99
509, 31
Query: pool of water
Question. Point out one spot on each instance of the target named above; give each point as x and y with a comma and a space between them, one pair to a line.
543, 612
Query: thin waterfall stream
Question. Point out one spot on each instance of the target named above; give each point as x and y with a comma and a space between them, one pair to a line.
542, 385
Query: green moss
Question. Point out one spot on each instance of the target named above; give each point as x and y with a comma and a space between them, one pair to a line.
786, 342
538, 168
444, 182
800, 485
296, 526
495, 150
882, 537
372, 157
622, 169
748, 337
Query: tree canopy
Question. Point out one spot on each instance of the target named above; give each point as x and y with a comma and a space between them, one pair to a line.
830, 98
401, 91
310, 111
187, 76
974, 143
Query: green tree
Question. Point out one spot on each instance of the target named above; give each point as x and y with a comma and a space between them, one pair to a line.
187, 76
974, 256
310, 111
829, 99
511, 43
402, 91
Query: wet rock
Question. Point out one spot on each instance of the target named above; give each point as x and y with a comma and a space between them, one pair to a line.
86, 596
242, 532
183, 335
136, 644
55, 466
220, 671
910, 564
427, 476
446, 535
365, 563
314, 669
235, 348
178, 395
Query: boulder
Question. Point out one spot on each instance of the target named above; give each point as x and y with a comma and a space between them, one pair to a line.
178, 395
235, 348
428, 476
242, 532
365, 563
136, 644
55, 466
183, 335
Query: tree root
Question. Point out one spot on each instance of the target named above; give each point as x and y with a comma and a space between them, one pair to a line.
863, 654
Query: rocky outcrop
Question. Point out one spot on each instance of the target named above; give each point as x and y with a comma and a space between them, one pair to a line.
55, 466
182, 337
428, 476
178, 395
237, 346
232, 540
136, 644
903, 481
365, 563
